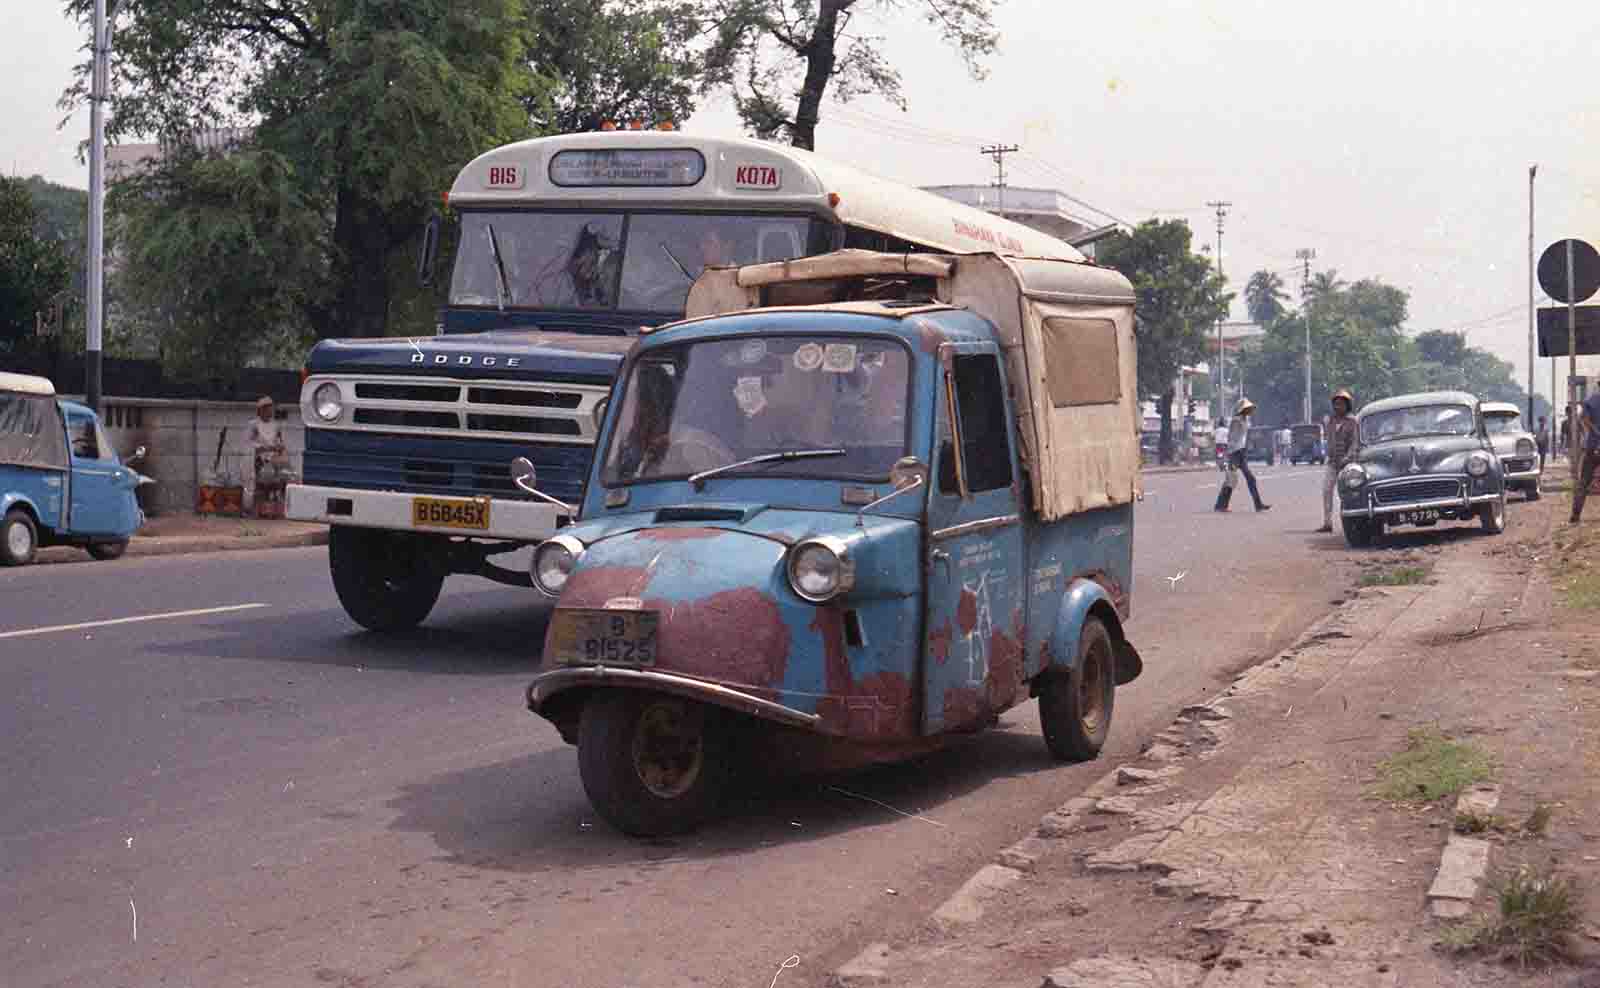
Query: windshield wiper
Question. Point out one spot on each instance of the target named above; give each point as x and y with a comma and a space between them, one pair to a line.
674, 259
502, 287
698, 480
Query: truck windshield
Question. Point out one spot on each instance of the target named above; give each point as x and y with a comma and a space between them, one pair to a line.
699, 406
639, 261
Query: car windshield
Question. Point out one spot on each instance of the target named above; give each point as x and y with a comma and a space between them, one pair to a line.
1417, 420
606, 260
1499, 423
700, 406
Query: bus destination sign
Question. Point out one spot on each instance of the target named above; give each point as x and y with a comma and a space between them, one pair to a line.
627, 167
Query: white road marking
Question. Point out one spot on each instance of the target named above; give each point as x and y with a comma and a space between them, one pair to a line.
167, 615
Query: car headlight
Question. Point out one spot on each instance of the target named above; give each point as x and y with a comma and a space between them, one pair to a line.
1477, 464
820, 569
553, 563
1353, 477
327, 402
1524, 447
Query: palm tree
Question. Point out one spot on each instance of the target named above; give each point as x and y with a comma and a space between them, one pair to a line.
1324, 285
1264, 297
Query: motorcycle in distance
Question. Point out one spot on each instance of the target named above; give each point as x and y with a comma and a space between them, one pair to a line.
835, 531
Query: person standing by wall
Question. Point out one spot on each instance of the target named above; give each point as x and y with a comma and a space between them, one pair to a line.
1239, 457
1589, 443
1541, 439
1343, 438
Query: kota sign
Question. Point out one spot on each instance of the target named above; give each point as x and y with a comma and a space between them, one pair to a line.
1585, 274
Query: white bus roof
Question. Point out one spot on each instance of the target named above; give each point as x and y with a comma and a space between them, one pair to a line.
26, 384
738, 173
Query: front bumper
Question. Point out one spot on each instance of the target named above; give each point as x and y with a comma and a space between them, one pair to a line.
1520, 470
520, 521
1371, 509
557, 681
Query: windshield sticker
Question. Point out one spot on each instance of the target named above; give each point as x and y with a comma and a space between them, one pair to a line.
752, 400
807, 357
753, 351
839, 358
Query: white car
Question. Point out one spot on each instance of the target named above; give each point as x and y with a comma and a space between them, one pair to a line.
1515, 446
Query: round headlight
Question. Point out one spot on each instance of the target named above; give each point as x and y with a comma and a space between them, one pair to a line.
820, 570
327, 402
1524, 447
1477, 464
553, 563
1352, 476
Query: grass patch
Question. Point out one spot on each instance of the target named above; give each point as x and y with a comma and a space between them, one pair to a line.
1470, 822
1400, 576
1576, 578
1538, 821
1535, 913
1431, 767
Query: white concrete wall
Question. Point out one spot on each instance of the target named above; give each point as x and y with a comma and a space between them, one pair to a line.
180, 438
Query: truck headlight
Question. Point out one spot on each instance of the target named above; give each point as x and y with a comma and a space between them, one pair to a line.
1477, 464
327, 402
553, 563
820, 569
1352, 477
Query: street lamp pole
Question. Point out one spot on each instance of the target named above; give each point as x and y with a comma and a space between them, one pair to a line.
99, 81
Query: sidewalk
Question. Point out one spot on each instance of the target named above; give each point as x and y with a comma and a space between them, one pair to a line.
1271, 838
181, 533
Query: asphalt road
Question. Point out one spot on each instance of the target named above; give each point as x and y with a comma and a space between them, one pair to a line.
251, 792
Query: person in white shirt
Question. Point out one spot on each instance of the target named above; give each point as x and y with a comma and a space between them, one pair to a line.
1238, 457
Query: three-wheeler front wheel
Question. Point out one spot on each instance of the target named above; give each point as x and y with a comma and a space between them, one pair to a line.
1075, 704
652, 765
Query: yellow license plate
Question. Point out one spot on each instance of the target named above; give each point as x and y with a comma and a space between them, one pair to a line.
625, 638
450, 512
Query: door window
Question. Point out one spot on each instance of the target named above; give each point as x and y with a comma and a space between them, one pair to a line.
980, 410
85, 440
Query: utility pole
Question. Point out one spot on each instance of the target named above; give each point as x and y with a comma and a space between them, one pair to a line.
998, 152
98, 95
1221, 206
1532, 171
1305, 256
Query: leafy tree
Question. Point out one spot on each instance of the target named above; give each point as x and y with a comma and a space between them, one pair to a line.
374, 103
779, 57
618, 61
34, 269
1179, 297
1264, 297
243, 212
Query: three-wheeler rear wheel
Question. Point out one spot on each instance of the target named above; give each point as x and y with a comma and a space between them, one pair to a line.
652, 764
1075, 704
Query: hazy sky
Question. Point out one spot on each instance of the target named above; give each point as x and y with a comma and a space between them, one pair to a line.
1391, 136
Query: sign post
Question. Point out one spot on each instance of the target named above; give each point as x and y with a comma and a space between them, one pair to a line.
1569, 271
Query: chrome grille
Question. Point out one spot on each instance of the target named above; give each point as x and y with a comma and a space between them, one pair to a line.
536, 411
1420, 489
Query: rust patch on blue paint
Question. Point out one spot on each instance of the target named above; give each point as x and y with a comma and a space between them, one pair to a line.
929, 337
967, 611
939, 642
737, 637
879, 706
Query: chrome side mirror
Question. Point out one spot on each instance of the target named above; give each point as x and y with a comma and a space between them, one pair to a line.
908, 473
526, 478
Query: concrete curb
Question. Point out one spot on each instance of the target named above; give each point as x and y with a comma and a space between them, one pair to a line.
160, 546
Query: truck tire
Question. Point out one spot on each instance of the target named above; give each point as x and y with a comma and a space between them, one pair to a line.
385, 580
1075, 704
652, 765
19, 538
107, 550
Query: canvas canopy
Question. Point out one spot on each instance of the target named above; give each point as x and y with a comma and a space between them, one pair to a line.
1065, 329
31, 431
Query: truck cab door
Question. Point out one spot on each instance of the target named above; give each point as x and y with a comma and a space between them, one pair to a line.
972, 665
103, 501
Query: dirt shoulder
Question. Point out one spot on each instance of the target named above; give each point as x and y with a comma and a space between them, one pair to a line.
1289, 832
